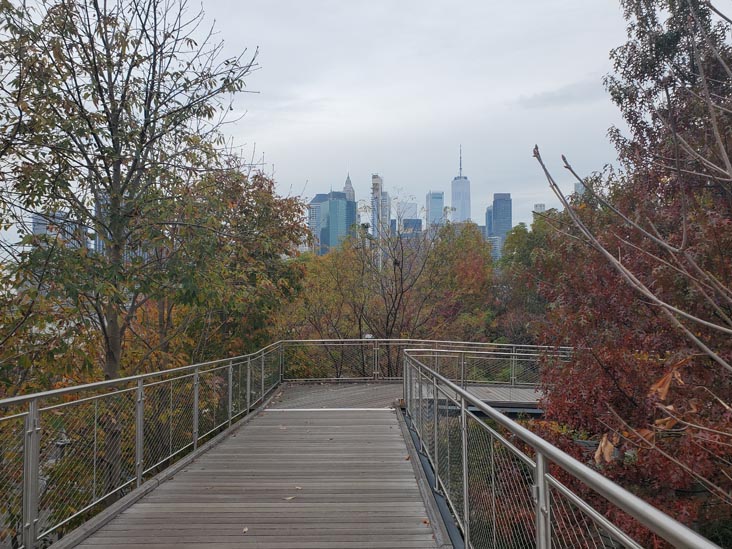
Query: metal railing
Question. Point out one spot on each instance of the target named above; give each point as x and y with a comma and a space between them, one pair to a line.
68, 453
500, 479
382, 359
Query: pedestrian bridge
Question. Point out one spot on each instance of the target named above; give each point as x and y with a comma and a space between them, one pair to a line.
310, 444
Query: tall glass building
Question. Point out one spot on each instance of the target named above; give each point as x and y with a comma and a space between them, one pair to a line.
435, 206
502, 215
460, 195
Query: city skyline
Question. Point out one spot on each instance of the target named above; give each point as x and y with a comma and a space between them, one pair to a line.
400, 93
366, 204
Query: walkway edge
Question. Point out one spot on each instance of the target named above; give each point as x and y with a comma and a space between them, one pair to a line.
78, 535
442, 539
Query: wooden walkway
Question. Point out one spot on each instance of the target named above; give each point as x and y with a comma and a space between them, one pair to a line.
290, 478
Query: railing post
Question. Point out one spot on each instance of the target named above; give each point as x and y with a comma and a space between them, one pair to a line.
281, 350
494, 527
541, 497
418, 414
262, 377
195, 408
404, 380
408, 387
466, 483
376, 359
436, 416
462, 370
249, 384
31, 464
513, 365
139, 430
230, 371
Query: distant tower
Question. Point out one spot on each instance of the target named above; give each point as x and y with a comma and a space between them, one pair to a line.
377, 187
489, 221
539, 208
435, 206
348, 189
461, 195
502, 215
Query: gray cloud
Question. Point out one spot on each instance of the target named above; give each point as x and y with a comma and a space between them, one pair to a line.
589, 90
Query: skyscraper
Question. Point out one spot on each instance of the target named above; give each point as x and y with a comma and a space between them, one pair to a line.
380, 207
461, 195
435, 205
330, 217
502, 215
539, 208
348, 189
489, 221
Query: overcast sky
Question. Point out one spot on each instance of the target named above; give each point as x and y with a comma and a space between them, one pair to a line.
395, 87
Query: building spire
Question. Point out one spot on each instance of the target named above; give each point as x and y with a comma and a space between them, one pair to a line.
461, 160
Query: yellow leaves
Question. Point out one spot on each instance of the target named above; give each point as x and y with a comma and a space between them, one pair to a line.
606, 449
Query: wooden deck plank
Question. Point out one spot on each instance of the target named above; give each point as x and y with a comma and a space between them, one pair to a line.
288, 479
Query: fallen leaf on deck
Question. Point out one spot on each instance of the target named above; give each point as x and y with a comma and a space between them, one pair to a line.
407, 458
298, 487
425, 521
289, 498
245, 530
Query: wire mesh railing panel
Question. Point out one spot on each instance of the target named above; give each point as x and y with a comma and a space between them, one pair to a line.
67, 458
489, 368
87, 453
390, 360
449, 365
526, 370
255, 380
180, 405
12, 431
574, 523
515, 521
448, 422
502, 510
450, 461
427, 414
212, 400
271, 369
329, 360
238, 389
158, 424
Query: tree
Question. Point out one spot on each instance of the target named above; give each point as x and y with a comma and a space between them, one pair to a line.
121, 117
646, 292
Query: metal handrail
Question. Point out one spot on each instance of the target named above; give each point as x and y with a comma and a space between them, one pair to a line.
651, 517
147, 421
20, 399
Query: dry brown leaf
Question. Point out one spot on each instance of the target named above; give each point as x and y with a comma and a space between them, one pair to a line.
289, 498
604, 450
245, 530
662, 386
665, 423
425, 521
407, 458
298, 487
